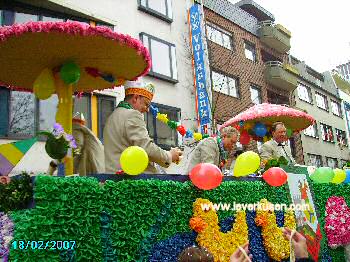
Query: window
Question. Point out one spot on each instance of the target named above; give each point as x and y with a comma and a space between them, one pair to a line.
47, 112
106, 105
314, 160
321, 101
327, 133
224, 84
255, 94
219, 36
163, 58
335, 108
311, 131
23, 18
332, 162
304, 93
51, 19
17, 113
342, 163
249, 50
341, 137
161, 133
159, 8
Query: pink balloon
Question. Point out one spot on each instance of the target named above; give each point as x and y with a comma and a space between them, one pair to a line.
206, 176
275, 176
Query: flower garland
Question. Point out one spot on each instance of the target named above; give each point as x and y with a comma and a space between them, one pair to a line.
275, 244
175, 125
6, 235
206, 224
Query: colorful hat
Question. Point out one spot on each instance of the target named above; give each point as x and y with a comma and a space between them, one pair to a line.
139, 88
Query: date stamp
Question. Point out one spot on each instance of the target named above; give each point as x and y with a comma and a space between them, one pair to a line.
43, 244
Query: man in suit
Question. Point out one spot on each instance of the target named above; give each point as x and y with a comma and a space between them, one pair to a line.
126, 127
214, 150
277, 146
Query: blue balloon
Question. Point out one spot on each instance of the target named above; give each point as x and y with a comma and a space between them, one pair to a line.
347, 179
189, 134
260, 129
154, 110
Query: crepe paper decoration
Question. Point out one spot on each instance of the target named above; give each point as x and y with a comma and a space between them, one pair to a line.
162, 118
276, 245
337, 224
106, 226
220, 245
12, 153
197, 136
96, 73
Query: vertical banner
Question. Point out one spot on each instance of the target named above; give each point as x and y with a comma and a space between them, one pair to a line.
202, 99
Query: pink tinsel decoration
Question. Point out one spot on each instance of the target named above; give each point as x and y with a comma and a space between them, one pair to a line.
337, 222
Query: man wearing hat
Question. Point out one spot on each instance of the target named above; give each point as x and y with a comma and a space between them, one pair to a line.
126, 127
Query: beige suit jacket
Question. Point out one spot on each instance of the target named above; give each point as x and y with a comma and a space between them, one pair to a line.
207, 151
270, 149
124, 128
91, 157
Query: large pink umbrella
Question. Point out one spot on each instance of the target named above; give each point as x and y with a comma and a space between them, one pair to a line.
266, 113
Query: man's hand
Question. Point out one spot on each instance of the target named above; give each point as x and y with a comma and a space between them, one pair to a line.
175, 154
238, 255
298, 241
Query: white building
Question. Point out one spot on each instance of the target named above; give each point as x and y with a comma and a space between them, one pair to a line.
161, 25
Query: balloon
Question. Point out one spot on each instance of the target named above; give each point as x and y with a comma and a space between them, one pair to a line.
44, 84
265, 139
339, 176
322, 175
275, 176
246, 163
244, 138
260, 129
181, 130
289, 132
134, 160
347, 180
206, 176
70, 73
197, 136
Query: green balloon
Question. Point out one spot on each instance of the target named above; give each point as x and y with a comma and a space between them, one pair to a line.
322, 175
70, 73
289, 132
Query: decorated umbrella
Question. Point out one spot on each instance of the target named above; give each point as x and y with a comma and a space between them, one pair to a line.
257, 119
68, 57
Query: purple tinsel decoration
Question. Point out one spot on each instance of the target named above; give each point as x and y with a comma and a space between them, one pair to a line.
6, 235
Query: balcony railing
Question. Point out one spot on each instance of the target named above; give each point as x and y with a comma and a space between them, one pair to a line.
283, 76
275, 36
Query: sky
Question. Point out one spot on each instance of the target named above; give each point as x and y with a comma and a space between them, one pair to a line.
320, 33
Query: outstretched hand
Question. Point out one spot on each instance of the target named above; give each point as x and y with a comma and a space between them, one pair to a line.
239, 256
298, 241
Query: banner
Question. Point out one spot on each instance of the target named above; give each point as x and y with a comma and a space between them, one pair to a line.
202, 99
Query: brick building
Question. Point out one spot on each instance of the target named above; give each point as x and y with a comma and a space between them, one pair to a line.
248, 60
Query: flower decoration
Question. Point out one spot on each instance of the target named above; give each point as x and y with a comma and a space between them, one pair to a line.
5, 180
337, 220
6, 234
58, 142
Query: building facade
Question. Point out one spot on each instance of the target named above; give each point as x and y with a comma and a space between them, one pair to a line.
248, 60
160, 25
325, 143
344, 70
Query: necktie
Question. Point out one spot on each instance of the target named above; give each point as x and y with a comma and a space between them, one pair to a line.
285, 153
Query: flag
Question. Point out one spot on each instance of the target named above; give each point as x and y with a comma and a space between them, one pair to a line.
12, 153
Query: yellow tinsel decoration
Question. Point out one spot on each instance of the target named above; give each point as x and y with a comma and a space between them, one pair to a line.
163, 118
276, 245
220, 245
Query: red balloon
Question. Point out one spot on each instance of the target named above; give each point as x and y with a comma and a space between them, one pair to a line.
244, 137
181, 130
206, 176
275, 176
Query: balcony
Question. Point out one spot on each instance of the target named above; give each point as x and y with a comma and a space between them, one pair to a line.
283, 76
274, 36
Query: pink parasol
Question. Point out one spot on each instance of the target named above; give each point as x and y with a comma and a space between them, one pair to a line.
270, 113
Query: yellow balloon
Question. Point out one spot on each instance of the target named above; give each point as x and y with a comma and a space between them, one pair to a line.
197, 136
339, 176
246, 163
134, 160
44, 84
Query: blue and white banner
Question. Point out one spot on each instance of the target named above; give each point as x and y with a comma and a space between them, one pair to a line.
202, 98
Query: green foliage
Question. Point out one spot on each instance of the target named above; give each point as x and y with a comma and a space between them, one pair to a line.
281, 161
17, 194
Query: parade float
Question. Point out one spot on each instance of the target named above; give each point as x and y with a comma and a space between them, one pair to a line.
138, 217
